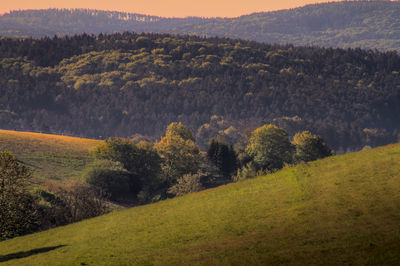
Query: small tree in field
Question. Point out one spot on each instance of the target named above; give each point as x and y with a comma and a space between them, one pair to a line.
18, 211
310, 147
270, 148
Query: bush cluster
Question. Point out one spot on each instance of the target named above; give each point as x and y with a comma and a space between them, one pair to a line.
133, 173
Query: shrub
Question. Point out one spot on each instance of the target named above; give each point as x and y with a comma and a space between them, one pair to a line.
188, 183
139, 159
78, 200
18, 208
245, 172
113, 179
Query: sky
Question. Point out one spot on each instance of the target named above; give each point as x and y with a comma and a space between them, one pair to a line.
165, 8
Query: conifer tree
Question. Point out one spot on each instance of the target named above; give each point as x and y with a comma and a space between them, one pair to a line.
222, 156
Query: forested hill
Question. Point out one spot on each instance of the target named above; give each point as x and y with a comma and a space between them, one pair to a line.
50, 22
365, 24
126, 84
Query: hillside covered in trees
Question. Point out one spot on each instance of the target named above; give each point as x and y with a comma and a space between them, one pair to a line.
365, 24
127, 84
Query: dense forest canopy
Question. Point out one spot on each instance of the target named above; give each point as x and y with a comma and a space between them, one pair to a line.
126, 84
365, 24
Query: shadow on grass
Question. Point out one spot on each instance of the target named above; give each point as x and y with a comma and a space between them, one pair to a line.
24, 254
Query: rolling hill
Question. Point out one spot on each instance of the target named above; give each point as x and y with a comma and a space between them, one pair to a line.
340, 210
365, 24
49, 156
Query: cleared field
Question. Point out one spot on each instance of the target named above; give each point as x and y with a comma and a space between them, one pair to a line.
50, 156
340, 210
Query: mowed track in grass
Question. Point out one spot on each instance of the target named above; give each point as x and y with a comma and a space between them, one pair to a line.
339, 210
49, 156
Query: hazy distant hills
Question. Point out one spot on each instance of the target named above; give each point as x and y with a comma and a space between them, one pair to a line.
374, 25
50, 22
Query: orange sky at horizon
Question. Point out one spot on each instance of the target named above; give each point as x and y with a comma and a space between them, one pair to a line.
166, 8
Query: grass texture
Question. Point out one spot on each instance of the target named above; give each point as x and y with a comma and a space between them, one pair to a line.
49, 156
339, 210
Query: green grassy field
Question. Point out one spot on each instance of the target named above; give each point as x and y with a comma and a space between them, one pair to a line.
49, 156
340, 210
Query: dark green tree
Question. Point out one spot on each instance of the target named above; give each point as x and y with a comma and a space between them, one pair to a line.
222, 156
310, 147
270, 148
139, 159
111, 178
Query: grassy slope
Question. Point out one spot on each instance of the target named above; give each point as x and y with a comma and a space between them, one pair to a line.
50, 156
340, 210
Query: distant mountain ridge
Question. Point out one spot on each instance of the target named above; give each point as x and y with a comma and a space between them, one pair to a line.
365, 24
49, 22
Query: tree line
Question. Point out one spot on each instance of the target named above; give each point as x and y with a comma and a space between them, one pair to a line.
128, 171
